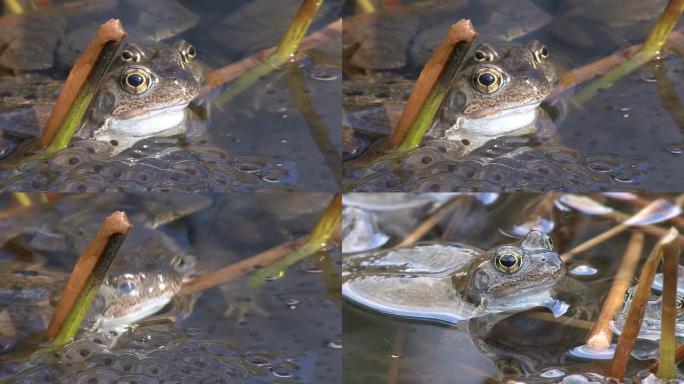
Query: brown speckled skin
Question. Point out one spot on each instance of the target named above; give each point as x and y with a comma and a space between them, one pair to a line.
176, 82
526, 81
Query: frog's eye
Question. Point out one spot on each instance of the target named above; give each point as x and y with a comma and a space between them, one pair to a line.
487, 80
541, 53
184, 264
127, 287
136, 80
189, 53
549, 242
507, 260
129, 56
481, 56
679, 305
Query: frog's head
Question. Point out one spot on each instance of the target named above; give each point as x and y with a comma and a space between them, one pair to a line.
516, 270
145, 276
498, 90
147, 89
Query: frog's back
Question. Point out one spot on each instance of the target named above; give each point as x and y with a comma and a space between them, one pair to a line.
424, 281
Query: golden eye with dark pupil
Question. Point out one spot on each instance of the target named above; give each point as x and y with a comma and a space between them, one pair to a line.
136, 81
507, 261
541, 54
487, 80
480, 56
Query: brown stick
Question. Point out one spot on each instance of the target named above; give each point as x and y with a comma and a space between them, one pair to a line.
571, 321
112, 30
116, 223
637, 307
231, 72
594, 241
601, 336
621, 227
238, 269
601, 66
668, 342
430, 222
642, 202
463, 30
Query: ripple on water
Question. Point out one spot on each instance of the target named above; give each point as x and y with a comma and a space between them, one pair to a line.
151, 165
503, 164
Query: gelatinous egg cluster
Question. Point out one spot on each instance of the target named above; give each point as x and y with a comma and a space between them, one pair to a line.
154, 356
503, 164
151, 165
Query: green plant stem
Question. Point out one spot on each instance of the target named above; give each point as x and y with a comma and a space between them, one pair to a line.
23, 198
87, 295
424, 119
652, 46
286, 50
74, 117
668, 342
317, 240
366, 6
434, 100
293, 37
13, 7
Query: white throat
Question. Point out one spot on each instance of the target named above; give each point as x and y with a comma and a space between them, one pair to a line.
500, 123
149, 124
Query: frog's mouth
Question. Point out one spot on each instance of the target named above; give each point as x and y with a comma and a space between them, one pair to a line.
500, 122
137, 123
133, 313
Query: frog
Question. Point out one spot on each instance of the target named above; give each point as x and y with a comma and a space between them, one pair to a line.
451, 282
360, 231
144, 277
144, 94
497, 92
605, 25
653, 310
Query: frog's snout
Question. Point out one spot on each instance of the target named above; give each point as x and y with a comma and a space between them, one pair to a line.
555, 264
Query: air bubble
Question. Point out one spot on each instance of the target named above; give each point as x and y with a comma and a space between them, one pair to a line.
291, 303
591, 353
550, 373
583, 270
324, 73
284, 369
334, 343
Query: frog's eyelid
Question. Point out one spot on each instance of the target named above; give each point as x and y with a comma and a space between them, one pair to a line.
484, 53
130, 55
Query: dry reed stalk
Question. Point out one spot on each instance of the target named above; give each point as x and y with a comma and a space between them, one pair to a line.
116, 224
601, 336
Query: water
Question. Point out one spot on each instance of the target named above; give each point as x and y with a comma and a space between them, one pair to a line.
529, 346
263, 127
624, 138
287, 329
